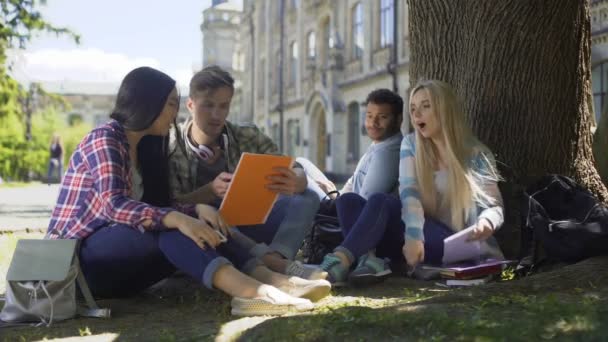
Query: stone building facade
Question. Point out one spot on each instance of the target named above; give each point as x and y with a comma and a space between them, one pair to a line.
333, 54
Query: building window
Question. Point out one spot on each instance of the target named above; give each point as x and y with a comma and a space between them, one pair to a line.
262, 18
312, 44
599, 79
293, 63
386, 23
293, 136
277, 74
357, 31
261, 73
353, 132
276, 135
329, 39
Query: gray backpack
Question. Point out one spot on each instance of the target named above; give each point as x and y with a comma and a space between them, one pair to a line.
41, 285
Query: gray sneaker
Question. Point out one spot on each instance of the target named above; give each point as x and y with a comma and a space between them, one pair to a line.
308, 272
370, 270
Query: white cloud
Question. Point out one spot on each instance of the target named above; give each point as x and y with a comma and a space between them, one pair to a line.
86, 65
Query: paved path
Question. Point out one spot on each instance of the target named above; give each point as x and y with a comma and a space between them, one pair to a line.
27, 207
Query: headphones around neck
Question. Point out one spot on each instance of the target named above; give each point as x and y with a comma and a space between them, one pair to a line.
203, 151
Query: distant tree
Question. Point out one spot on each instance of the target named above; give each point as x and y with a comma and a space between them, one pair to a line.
523, 68
19, 20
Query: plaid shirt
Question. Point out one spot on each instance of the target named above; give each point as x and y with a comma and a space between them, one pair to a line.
96, 187
241, 138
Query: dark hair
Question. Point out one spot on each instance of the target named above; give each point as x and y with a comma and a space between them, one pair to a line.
386, 96
141, 98
210, 78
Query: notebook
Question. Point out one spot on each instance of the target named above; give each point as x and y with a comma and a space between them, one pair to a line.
247, 201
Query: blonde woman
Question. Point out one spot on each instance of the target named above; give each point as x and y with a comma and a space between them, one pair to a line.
447, 182
447, 178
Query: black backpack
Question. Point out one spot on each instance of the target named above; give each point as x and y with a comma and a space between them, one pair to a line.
324, 236
563, 220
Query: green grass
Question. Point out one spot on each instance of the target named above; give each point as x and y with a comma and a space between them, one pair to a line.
549, 307
7, 185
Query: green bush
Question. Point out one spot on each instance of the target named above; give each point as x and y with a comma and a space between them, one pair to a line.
23, 160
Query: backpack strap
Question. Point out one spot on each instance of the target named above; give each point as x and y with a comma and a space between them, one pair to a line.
92, 310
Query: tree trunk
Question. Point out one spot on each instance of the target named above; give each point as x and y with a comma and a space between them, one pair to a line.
523, 70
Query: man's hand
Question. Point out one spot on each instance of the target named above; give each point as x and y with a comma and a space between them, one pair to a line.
287, 181
482, 231
220, 184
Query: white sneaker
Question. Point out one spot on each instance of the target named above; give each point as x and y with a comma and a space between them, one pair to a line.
309, 289
309, 272
273, 302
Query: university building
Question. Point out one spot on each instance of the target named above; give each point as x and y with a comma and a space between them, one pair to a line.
333, 53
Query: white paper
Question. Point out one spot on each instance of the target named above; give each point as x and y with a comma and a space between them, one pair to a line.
456, 247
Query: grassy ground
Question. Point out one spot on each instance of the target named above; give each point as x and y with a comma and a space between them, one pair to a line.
6, 184
558, 305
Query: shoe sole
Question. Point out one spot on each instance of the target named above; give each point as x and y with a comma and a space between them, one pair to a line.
313, 293
263, 308
368, 279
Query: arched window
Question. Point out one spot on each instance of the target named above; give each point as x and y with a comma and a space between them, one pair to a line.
386, 23
293, 63
311, 42
357, 30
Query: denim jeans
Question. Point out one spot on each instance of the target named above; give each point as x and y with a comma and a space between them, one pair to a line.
284, 231
119, 261
376, 223
54, 163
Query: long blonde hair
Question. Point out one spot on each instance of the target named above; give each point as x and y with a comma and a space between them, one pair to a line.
464, 183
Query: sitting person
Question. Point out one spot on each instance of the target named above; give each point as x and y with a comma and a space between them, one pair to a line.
202, 167
447, 182
115, 198
378, 169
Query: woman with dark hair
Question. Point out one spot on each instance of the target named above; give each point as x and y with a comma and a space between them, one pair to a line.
115, 199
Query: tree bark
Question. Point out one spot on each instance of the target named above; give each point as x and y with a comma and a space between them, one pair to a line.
523, 70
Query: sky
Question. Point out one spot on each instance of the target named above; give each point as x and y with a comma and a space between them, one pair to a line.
116, 36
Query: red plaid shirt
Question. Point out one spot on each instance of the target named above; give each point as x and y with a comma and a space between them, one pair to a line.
96, 187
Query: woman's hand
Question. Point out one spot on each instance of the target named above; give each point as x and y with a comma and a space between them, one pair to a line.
413, 251
327, 186
482, 231
198, 231
209, 214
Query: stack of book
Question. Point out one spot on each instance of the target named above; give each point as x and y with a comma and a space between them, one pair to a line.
467, 274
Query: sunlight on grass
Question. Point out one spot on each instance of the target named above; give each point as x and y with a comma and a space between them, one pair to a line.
106, 337
568, 326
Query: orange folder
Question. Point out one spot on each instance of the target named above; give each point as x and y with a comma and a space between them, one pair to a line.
247, 201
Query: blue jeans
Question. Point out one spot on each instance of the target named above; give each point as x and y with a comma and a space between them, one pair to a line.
284, 231
376, 223
120, 261
51, 168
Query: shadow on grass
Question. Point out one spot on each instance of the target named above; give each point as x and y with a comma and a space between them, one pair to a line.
198, 316
494, 318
